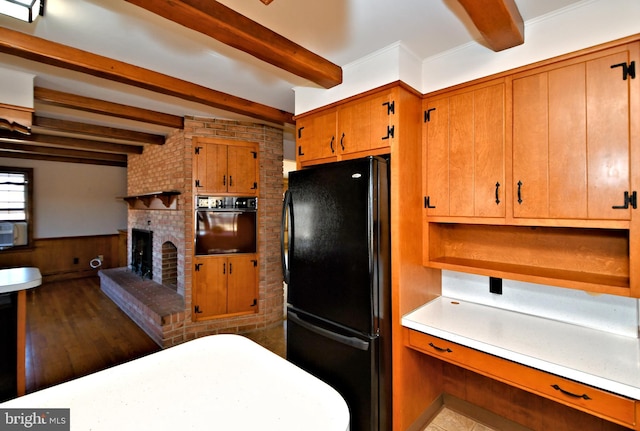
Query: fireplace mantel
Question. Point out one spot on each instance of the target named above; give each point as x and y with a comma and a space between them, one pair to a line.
146, 200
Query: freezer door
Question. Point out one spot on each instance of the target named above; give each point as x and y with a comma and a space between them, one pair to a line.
334, 261
345, 361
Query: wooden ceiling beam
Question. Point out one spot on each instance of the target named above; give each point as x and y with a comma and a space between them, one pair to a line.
44, 51
499, 22
30, 151
74, 127
97, 106
63, 141
231, 28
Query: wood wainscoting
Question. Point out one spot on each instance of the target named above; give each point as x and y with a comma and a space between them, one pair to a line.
66, 258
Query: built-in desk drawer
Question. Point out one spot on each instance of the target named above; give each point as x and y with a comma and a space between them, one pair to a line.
614, 408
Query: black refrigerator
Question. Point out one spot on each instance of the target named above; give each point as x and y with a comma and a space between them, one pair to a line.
337, 267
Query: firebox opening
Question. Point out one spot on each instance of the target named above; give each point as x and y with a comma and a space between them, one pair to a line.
142, 253
170, 265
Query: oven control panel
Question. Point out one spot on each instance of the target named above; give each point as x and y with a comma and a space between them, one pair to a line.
227, 203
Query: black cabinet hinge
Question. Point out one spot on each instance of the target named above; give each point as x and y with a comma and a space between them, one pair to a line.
255, 186
390, 132
300, 153
197, 309
197, 150
254, 303
630, 200
198, 183
427, 114
255, 154
628, 70
300, 132
255, 262
427, 202
198, 265
391, 107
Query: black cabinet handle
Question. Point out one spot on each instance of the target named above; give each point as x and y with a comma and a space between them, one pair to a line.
224, 268
230, 181
224, 180
520, 192
440, 349
333, 138
571, 394
342, 142
497, 193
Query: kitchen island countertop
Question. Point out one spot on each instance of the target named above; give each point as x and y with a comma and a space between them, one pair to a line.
218, 382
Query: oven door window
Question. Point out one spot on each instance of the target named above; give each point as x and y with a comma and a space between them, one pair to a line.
220, 232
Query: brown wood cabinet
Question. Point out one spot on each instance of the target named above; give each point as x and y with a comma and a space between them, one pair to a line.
364, 125
225, 167
464, 139
571, 141
603, 404
225, 285
570, 164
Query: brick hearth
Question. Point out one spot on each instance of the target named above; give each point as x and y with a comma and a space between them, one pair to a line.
157, 309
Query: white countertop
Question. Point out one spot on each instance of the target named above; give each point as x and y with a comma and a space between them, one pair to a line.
597, 358
220, 382
14, 279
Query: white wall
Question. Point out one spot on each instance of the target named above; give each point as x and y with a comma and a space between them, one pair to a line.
73, 199
579, 26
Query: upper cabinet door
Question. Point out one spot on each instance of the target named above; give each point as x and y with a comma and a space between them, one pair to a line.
571, 139
242, 169
316, 138
464, 140
367, 124
225, 167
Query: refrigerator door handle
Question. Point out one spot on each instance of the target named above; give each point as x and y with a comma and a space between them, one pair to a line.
349, 341
286, 210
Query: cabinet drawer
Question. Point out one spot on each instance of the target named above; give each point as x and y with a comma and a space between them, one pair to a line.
614, 408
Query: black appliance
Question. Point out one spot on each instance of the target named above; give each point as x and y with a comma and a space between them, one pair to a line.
338, 269
226, 224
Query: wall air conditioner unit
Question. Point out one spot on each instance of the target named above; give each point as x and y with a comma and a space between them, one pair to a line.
12, 234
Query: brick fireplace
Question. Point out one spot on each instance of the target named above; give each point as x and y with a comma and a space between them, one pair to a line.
162, 305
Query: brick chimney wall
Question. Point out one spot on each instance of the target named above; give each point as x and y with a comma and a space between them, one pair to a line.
169, 167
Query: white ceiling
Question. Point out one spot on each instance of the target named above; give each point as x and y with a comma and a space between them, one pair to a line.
341, 31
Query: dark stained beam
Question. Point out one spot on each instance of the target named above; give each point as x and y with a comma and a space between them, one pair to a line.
29, 151
74, 127
55, 54
231, 28
97, 106
499, 22
63, 141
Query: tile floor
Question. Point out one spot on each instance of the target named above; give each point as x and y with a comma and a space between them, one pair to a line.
449, 420
274, 339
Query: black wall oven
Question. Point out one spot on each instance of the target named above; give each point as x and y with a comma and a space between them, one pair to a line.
226, 224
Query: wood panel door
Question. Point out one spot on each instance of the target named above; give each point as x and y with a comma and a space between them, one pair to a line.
209, 287
464, 139
571, 139
242, 169
366, 124
316, 138
242, 287
210, 168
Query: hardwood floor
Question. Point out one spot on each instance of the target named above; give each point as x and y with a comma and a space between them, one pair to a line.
73, 329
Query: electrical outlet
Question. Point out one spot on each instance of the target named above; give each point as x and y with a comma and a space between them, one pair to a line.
495, 285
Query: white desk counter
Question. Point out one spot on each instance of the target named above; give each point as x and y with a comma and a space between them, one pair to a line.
14, 279
596, 358
220, 382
